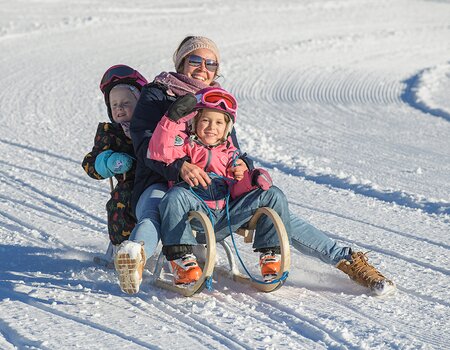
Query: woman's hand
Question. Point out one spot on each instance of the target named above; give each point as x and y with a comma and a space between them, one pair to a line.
194, 175
239, 170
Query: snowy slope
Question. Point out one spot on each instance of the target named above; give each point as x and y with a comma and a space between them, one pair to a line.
346, 102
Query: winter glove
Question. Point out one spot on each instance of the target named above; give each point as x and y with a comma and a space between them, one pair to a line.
261, 179
109, 163
182, 107
119, 163
256, 178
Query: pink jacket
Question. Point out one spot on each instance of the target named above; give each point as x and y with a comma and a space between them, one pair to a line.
171, 141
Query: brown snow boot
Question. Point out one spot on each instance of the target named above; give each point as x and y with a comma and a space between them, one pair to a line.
359, 270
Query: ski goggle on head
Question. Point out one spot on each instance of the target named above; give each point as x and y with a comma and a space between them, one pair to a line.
121, 72
217, 98
196, 61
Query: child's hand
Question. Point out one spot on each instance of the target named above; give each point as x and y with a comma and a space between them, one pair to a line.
182, 107
239, 170
119, 163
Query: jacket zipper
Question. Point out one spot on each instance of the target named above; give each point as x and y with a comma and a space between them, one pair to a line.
205, 168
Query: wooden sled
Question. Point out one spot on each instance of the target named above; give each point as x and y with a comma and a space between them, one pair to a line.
208, 268
248, 234
233, 272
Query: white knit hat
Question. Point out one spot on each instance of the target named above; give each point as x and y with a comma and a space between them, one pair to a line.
133, 89
192, 44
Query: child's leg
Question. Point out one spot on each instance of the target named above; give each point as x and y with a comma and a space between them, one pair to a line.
175, 227
147, 213
311, 241
120, 220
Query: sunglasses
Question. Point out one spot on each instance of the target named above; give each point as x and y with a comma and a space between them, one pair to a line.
196, 61
215, 97
120, 72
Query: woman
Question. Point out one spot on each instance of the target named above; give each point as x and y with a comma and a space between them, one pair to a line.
197, 63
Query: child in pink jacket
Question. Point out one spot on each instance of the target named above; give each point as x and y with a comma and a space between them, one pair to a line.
210, 116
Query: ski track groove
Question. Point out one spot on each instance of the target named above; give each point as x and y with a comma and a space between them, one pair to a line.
70, 208
88, 323
84, 185
399, 197
259, 315
402, 234
377, 226
18, 341
24, 227
201, 325
44, 241
65, 217
356, 311
141, 305
40, 151
298, 324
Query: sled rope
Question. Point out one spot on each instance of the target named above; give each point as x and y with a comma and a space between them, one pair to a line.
227, 199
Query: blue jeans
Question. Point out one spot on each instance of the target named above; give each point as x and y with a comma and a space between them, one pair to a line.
148, 221
311, 241
304, 237
178, 202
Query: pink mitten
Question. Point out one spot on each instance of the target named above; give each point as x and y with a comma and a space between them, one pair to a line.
262, 179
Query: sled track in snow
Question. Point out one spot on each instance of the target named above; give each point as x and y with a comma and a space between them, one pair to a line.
302, 331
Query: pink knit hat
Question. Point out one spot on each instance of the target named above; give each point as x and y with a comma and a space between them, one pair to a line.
193, 43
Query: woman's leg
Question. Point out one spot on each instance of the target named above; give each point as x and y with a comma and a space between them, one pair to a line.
311, 241
147, 229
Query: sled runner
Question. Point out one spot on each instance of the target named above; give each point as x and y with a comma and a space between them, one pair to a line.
107, 260
208, 268
233, 271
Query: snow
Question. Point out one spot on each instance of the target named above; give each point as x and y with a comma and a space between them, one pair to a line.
345, 102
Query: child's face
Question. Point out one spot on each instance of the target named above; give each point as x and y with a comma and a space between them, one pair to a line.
122, 102
210, 126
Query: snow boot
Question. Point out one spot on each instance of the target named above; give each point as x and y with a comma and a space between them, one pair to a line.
129, 263
185, 270
270, 265
359, 270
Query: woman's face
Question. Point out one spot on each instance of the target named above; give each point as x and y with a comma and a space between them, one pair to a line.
200, 72
210, 126
122, 103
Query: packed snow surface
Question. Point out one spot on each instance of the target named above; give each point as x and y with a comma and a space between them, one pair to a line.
345, 102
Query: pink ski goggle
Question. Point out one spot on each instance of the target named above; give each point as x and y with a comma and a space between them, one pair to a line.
214, 97
121, 72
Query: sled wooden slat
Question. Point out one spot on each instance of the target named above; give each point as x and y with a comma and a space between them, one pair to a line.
209, 262
246, 233
284, 246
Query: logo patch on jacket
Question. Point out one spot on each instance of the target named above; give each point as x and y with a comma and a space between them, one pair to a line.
178, 141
